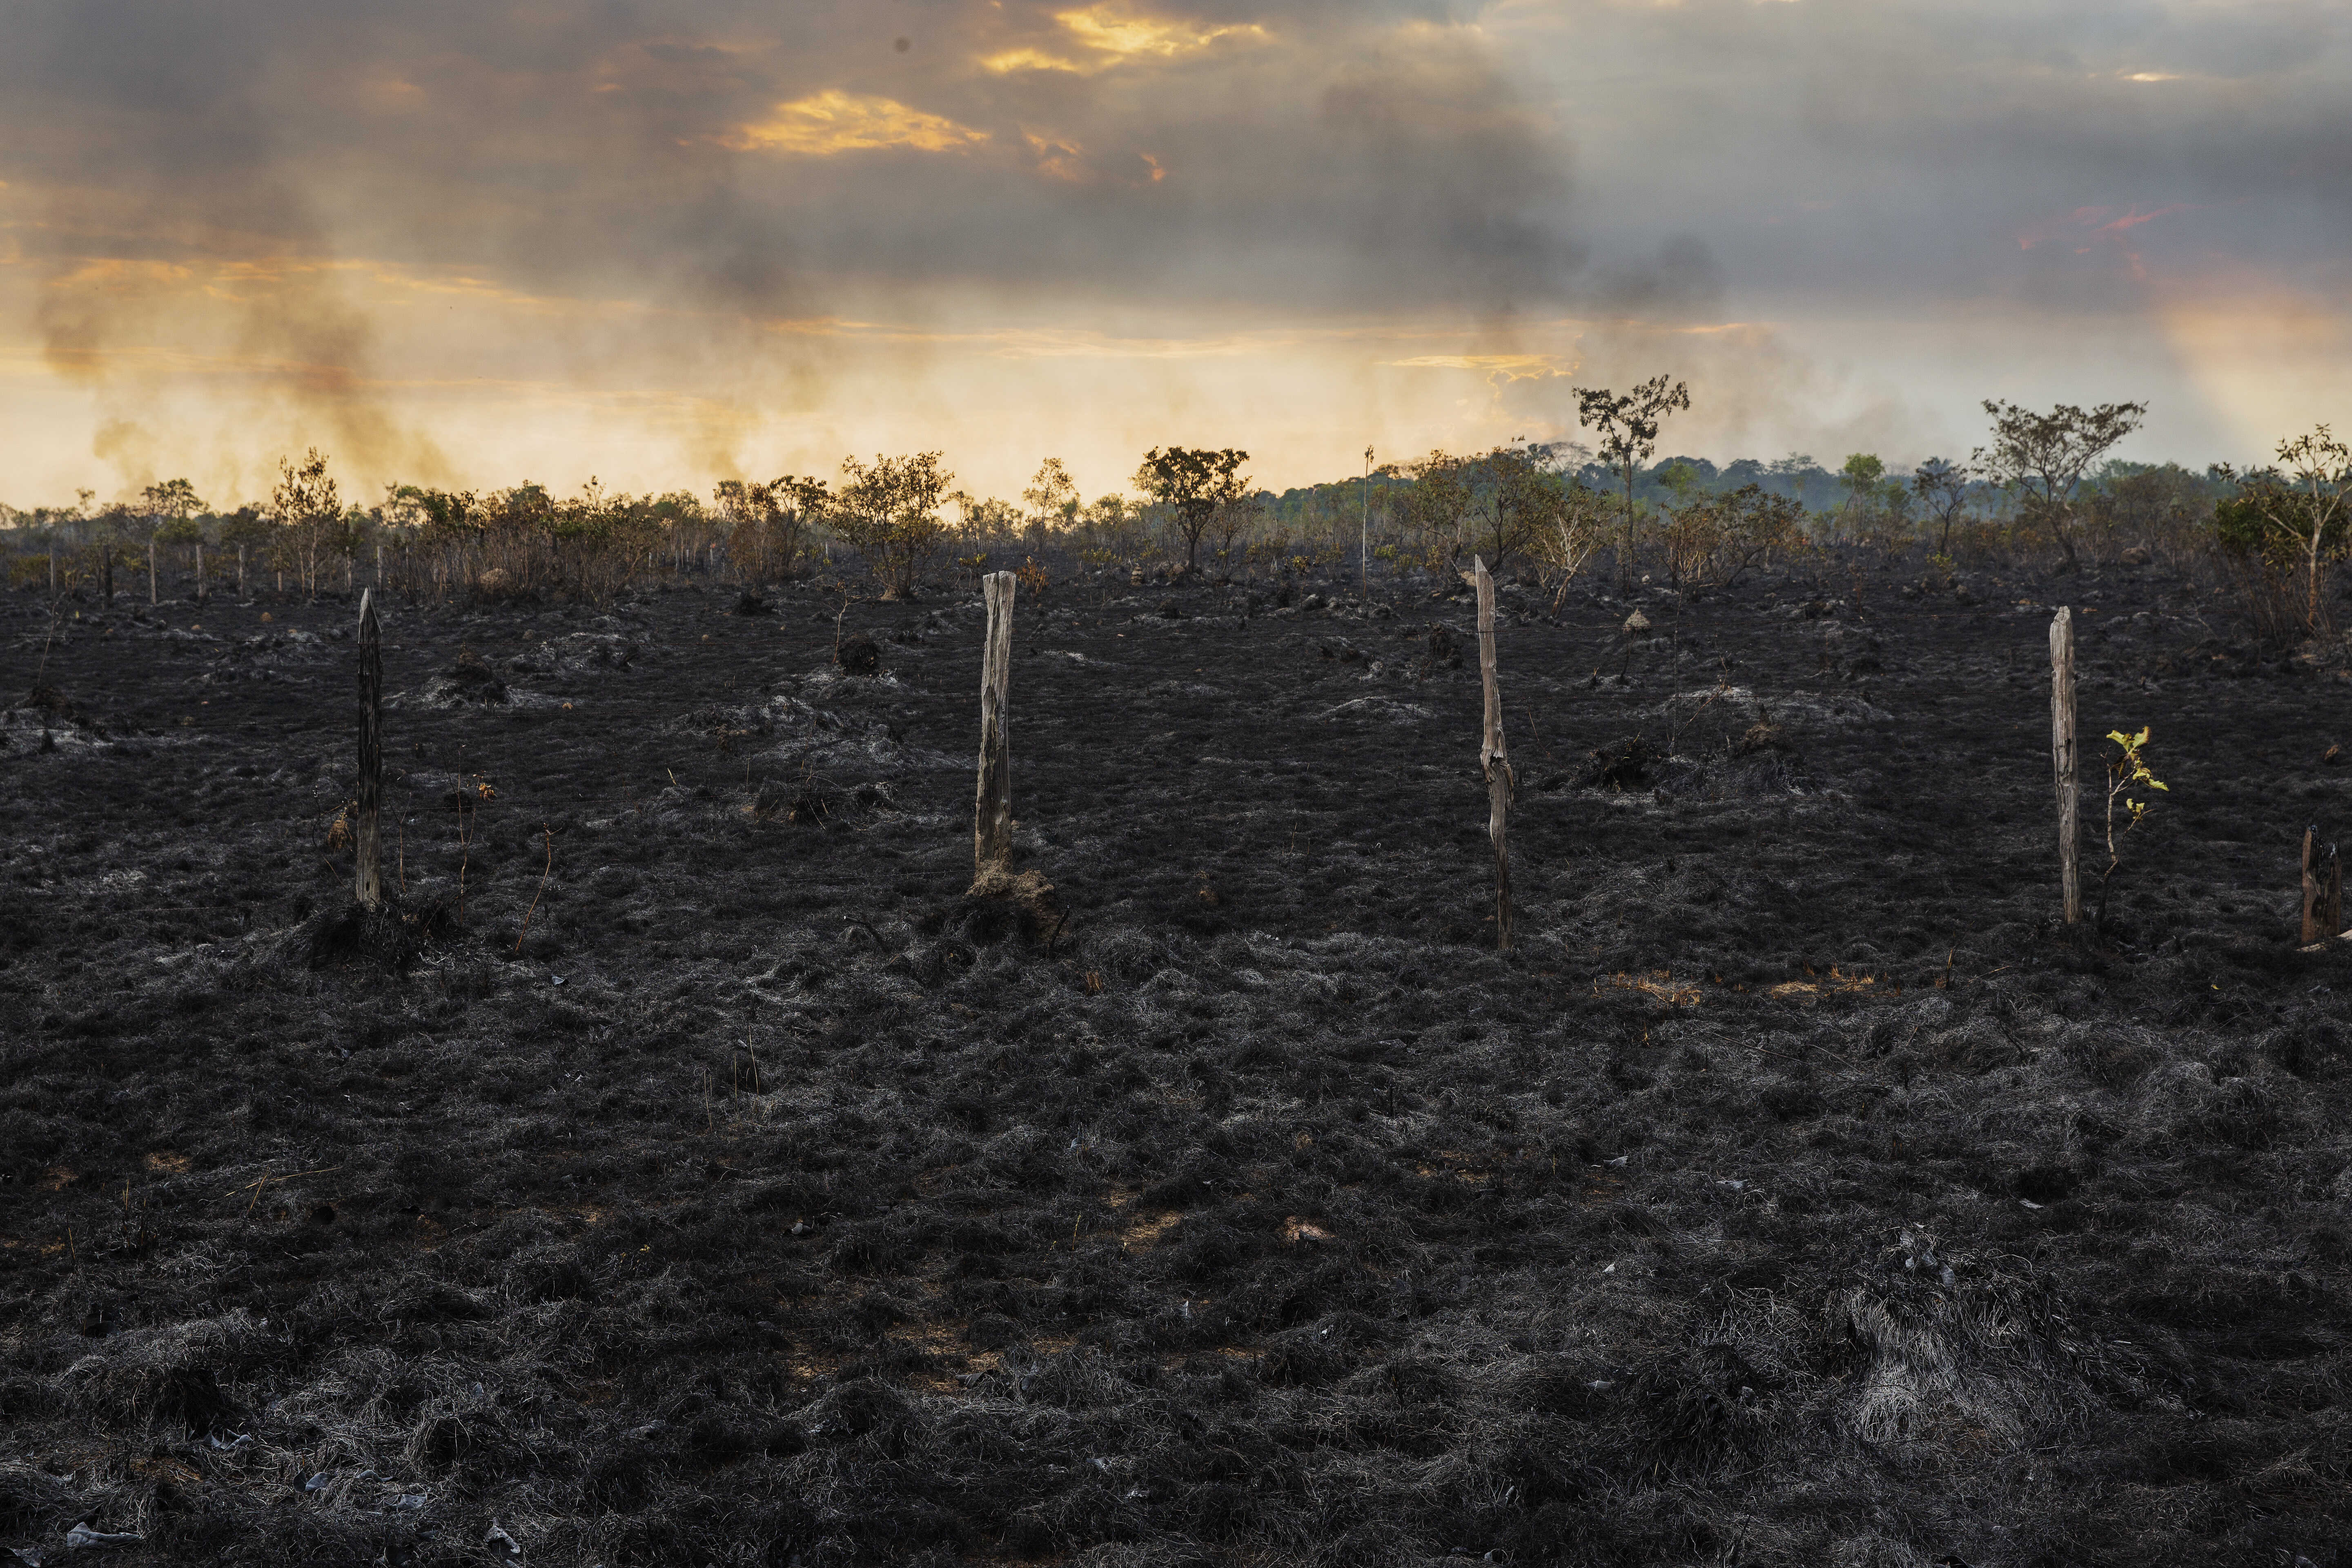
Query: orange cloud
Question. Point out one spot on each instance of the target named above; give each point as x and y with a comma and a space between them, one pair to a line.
1112, 33
833, 122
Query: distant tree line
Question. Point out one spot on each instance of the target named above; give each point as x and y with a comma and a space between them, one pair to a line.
2044, 489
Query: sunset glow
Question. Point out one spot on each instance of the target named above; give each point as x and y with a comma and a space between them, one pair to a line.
670, 253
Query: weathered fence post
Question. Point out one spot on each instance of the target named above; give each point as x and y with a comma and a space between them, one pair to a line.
367, 884
992, 823
2061, 755
2323, 889
1492, 762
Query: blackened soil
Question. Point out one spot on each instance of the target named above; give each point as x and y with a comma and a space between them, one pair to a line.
1797, 1193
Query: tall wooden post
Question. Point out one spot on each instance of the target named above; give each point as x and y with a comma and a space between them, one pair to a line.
992, 821
1492, 762
367, 884
2323, 889
2063, 758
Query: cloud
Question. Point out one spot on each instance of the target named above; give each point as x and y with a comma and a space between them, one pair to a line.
270, 223
1099, 38
1121, 32
832, 121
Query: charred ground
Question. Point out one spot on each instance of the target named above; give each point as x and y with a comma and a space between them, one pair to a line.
1797, 1193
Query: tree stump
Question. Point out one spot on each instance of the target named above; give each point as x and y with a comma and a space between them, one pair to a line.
1501, 784
2063, 759
368, 879
992, 827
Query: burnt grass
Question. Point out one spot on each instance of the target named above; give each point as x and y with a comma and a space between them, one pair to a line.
1798, 1192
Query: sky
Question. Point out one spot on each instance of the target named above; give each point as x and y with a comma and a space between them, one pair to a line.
471, 243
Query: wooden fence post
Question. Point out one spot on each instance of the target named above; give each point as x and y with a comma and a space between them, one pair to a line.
1492, 762
369, 878
992, 823
2323, 889
2063, 757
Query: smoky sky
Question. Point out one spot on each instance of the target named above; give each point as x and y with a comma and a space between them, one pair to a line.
1304, 160
1292, 154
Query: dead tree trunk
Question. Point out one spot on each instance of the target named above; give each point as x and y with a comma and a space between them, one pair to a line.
200, 571
155, 594
1501, 782
991, 826
240, 571
2323, 889
368, 880
2063, 757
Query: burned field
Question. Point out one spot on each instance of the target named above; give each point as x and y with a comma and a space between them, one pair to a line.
1798, 1191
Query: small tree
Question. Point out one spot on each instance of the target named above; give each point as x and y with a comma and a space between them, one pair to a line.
1860, 476
1628, 428
306, 506
1233, 521
888, 512
2044, 457
768, 521
1192, 483
1758, 525
2126, 771
1052, 498
173, 501
1943, 489
1436, 504
2302, 511
1511, 497
1572, 529
171, 508
1719, 537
